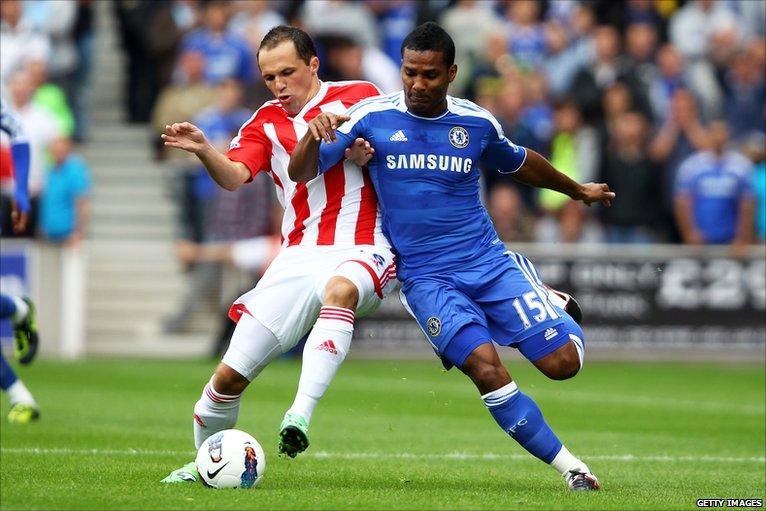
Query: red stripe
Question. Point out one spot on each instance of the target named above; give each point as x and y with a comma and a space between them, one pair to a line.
336, 309
300, 204
375, 279
334, 314
300, 201
335, 189
277, 181
236, 311
368, 213
215, 396
338, 318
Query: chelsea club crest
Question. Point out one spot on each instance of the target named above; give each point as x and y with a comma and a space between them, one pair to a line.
458, 137
434, 326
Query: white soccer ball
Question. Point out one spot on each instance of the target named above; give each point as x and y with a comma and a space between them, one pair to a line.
231, 459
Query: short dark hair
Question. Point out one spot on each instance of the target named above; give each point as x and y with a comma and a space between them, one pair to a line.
431, 37
304, 46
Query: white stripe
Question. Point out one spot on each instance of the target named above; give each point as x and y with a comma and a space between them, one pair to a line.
279, 161
580, 348
367, 455
345, 228
542, 293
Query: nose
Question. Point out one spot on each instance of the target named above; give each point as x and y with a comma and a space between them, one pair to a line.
419, 85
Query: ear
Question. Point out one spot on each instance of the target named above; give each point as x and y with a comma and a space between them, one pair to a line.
452, 73
314, 65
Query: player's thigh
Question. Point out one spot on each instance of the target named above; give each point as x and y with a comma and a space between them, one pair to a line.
520, 313
441, 311
285, 299
372, 270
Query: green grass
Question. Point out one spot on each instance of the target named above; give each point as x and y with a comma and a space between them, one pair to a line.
391, 435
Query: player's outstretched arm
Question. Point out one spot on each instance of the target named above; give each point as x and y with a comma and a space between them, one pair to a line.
227, 173
304, 161
537, 171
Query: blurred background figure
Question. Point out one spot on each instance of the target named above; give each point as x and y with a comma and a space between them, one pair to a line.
632, 174
754, 147
714, 196
65, 202
574, 152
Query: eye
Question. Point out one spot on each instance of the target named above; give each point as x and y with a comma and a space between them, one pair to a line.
409, 72
287, 72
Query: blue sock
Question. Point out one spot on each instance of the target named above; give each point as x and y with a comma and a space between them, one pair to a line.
519, 416
7, 376
7, 306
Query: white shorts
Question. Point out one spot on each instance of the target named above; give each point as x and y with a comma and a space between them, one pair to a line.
288, 297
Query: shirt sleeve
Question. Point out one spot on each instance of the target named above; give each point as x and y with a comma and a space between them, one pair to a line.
331, 154
501, 153
251, 147
684, 181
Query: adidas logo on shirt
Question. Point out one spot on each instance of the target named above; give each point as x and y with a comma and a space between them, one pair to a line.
328, 345
399, 136
550, 334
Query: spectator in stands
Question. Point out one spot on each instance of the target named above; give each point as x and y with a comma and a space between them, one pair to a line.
81, 87
745, 104
18, 40
700, 29
251, 20
509, 203
341, 17
227, 55
563, 60
669, 78
50, 97
630, 172
574, 152
345, 59
525, 33
396, 19
181, 100
606, 68
65, 201
41, 129
471, 23
678, 137
754, 148
640, 47
57, 21
713, 195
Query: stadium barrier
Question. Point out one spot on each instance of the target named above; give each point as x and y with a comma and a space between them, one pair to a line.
55, 278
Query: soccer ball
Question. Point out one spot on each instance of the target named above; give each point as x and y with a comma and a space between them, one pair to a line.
231, 459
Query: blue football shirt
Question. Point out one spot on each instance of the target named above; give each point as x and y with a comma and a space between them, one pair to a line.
426, 174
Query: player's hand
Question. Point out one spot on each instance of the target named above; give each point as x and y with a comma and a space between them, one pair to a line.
19, 217
323, 126
360, 152
596, 192
184, 135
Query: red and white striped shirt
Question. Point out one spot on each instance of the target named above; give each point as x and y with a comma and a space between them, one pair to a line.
337, 208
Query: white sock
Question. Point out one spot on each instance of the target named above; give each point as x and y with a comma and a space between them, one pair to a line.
19, 393
22, 309
325, 350
214, 412
566, 461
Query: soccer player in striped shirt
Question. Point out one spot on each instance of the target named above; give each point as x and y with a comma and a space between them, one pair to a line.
334, 264
20, 310
458, 281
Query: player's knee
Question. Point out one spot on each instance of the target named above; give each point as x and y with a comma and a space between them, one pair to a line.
488, 376
341, 292
562, 364
228, 381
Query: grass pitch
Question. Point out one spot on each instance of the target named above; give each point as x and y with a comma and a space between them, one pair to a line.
391, 435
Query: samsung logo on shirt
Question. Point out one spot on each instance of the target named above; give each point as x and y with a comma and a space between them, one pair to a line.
429, 162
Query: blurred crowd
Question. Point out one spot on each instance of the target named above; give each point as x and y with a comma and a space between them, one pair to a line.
46, 54
665, 100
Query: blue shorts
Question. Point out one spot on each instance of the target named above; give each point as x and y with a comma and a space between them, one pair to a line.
501, 299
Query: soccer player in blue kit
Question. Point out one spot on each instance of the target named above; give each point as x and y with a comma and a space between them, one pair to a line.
20, 310
459, 282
